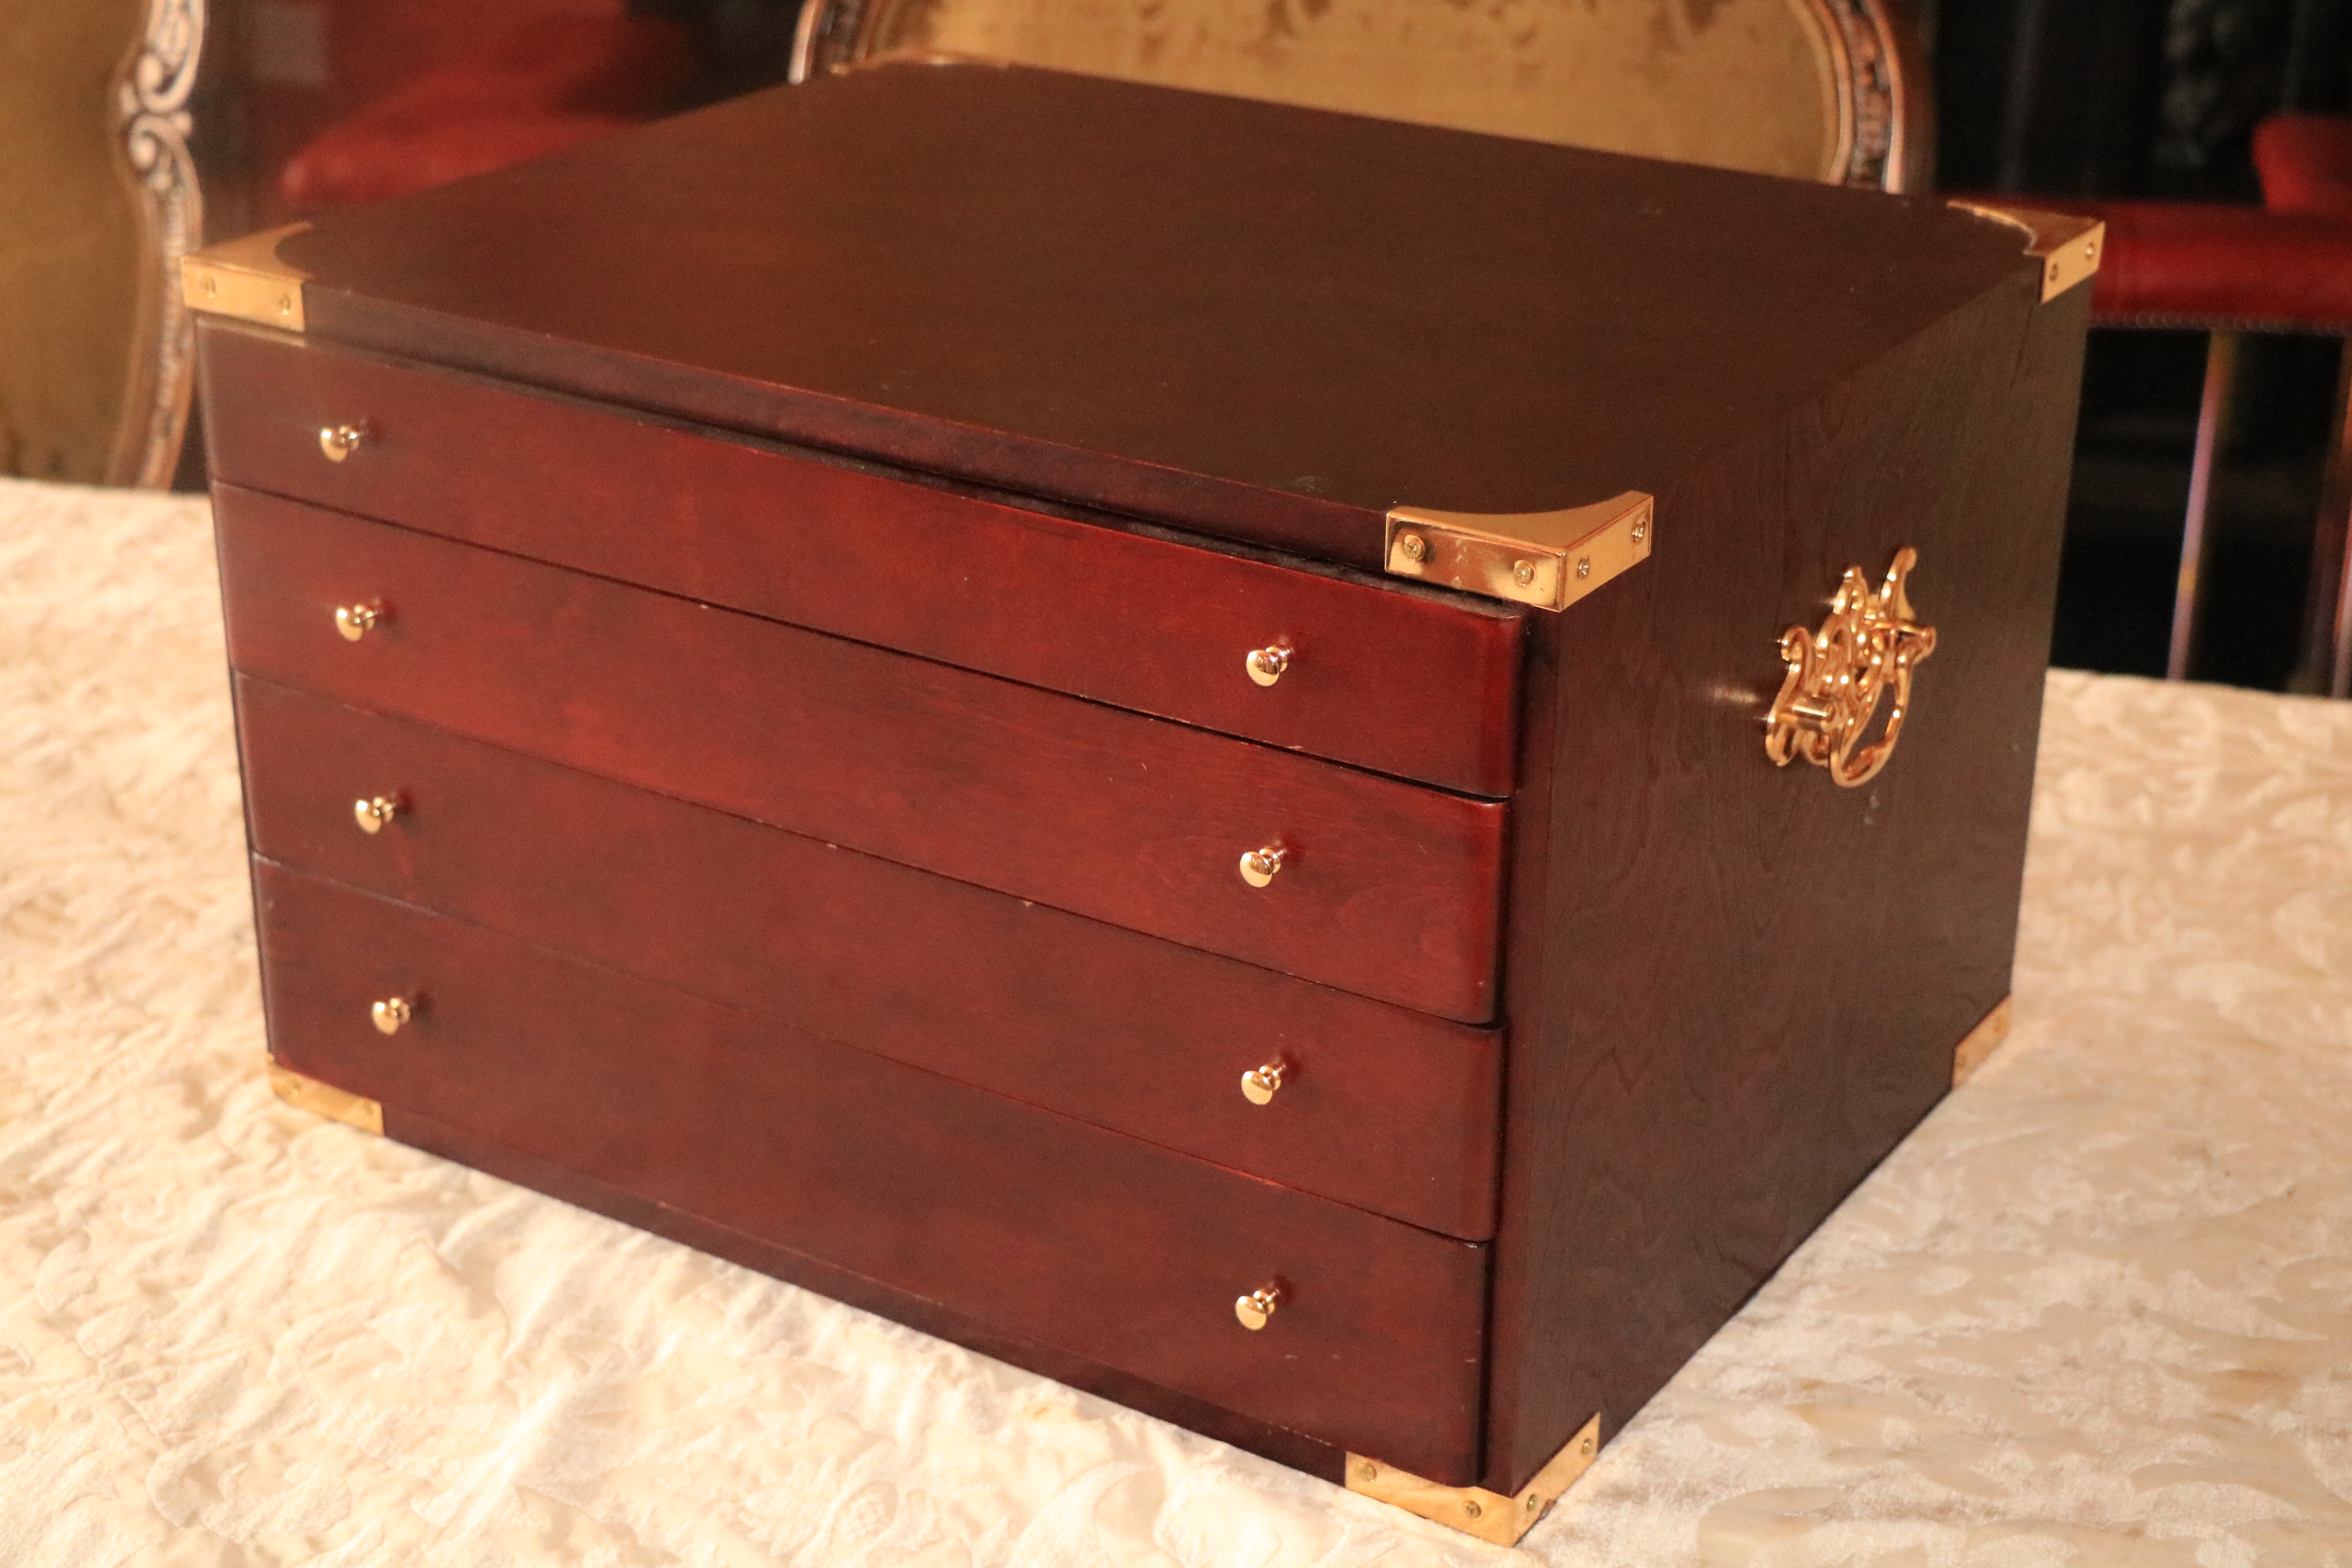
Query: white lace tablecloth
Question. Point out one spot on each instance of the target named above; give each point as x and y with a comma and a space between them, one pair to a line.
2098, 1310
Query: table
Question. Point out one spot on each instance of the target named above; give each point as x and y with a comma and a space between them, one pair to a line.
2098, 1308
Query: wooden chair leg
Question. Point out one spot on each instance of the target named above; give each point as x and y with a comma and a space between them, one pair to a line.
2330, 626
2212, 425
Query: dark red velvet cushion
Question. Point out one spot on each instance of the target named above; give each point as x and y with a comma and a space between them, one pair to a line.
545, 86
2208, 264
2306, 163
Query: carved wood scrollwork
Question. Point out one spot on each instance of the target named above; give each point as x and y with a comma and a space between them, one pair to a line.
151, 123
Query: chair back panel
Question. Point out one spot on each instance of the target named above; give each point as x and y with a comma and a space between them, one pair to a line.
1809, 88
100, 202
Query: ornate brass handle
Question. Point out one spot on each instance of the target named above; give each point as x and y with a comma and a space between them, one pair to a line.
356, 621
1257, 1309
1838, 676
1259, 1084
375, 812
391, 1012
1258, 865
1267, 664
340, 441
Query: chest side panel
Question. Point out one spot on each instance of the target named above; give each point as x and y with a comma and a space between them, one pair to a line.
1742, 985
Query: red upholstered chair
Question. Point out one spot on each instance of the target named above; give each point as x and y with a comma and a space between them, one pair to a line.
547, 84
2225, 270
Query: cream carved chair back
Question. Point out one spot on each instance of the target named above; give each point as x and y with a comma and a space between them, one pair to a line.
98, 204
1817, 90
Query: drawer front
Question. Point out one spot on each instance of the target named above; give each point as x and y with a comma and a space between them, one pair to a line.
1049, 1228
1408, 683
1374, 1105
1386, 888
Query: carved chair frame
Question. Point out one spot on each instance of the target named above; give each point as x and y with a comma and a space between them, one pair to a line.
150, 116
1885, 111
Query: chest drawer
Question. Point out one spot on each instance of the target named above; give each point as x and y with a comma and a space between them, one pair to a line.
1384, 677
1386, 888
1374, 1105
1049, 1228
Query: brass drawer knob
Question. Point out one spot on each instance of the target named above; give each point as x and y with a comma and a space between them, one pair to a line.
375, 812
1258, 865
1257, 1309
1267, 664
356, 621
390, 1014
340, 441
1258, 1084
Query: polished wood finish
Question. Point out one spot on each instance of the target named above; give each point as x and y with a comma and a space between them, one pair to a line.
1038, 1224
1280, 1444
1734, 988
1109, 613
1727, 988
1391, 890
1391, 1109
1257, 322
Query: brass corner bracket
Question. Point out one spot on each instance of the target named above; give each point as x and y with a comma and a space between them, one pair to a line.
1547, 559
243, 279
1489, 1516
1982, 1041
2068, 245
325, 1099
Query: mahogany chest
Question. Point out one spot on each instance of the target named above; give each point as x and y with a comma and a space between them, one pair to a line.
1225, 750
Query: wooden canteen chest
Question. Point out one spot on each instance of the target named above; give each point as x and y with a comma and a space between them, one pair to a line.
1225, 750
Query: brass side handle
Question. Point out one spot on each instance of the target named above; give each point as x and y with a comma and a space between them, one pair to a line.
391, 1012
373, 813
1260, 1083
1840, 676
1267, 664
1259, 866
340, 441
1256, 1310
356, 621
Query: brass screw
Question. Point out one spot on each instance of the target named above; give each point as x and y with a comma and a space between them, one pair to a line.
1535, 1501
211, 287
1640, 529
1470, 1506
1585, 566
286, 304
1413, 546
1523, 573
1368, 1472
1588, 1445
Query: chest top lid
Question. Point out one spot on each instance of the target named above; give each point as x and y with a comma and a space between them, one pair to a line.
1266, 323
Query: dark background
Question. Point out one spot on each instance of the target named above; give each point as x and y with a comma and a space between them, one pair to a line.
2158, 98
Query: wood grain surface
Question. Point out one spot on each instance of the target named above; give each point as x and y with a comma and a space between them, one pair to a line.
1391, 890
1249, 320
1391, 1109
1040, 1225
1385, 675
1740, 985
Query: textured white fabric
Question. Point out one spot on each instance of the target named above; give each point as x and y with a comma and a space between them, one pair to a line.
2097, 1310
